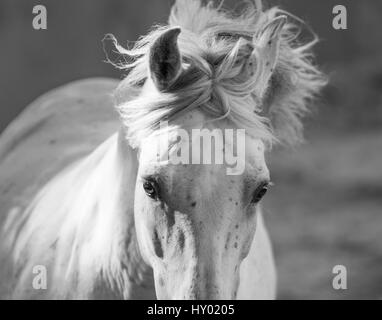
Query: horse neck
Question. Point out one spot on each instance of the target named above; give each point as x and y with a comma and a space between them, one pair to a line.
113, 238
93, 229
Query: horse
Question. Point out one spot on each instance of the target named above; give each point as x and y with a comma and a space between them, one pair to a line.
91, 207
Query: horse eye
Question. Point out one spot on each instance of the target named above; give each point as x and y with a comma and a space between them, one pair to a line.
259, 193
151, 188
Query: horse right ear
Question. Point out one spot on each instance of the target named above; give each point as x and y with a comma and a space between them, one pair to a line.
165, 62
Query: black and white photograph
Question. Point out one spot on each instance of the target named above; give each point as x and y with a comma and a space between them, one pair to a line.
190, 150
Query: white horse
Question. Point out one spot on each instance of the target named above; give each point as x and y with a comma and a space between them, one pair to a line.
84, 200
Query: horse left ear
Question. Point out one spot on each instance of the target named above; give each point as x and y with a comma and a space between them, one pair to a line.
165, 61
268, 46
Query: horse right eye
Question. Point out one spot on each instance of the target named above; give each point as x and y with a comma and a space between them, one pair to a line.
260, 193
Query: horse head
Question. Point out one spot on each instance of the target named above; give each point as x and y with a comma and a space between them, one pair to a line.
208, 74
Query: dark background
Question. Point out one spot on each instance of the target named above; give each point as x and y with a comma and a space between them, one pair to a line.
326, 206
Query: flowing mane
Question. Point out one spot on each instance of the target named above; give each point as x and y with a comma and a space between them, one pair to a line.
212, 42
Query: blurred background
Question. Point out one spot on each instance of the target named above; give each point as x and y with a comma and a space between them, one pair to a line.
326, 206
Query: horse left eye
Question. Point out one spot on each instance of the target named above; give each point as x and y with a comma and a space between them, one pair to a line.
259, 193
151, 189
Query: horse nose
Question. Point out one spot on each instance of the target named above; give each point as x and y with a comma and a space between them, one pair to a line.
210, 284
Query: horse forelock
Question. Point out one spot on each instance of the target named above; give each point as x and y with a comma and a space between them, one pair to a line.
211, 44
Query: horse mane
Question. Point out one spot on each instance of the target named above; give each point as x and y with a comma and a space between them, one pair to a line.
211, 42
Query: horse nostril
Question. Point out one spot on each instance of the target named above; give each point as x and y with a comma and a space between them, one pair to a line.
181, 241
157, 245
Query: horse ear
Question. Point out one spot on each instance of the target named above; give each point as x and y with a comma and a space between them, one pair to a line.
268, 45
165, 61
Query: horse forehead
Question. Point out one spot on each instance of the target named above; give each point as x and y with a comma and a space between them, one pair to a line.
195, 130
254, 151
